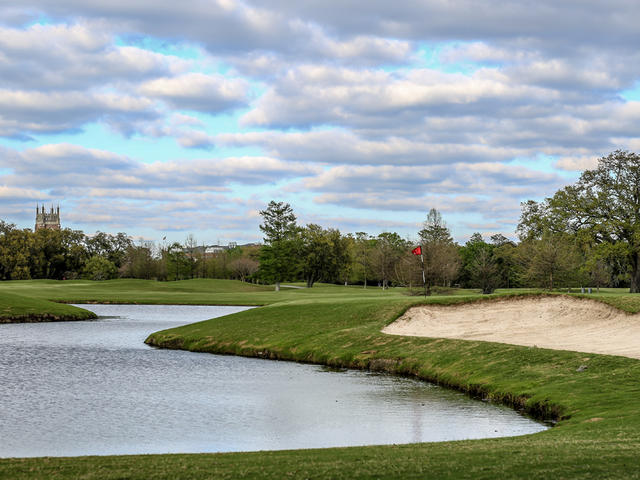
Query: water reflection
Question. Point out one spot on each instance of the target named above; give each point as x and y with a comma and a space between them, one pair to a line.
78, 388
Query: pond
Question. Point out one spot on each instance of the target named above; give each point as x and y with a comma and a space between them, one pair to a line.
94, 387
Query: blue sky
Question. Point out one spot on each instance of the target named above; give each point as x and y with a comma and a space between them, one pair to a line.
163, 120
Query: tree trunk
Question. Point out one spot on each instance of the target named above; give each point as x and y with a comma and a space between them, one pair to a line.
635, 273
277, 286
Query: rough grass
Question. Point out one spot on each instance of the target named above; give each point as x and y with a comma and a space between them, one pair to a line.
597, 409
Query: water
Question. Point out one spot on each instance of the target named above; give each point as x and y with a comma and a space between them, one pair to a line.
82, 388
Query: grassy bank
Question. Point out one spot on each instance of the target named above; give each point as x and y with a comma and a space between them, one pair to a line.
17, 308
598, 414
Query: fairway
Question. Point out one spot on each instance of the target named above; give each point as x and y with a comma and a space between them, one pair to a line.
592, 398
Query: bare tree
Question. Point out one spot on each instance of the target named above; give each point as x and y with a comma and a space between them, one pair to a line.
441, 259
243, 268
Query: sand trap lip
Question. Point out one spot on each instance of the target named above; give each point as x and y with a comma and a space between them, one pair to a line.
555, 322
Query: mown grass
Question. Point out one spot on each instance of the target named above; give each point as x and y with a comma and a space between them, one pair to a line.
597, 409
18, 308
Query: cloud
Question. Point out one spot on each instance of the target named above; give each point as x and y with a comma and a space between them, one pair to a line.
313, 95
70, 57
196, 139
68, 166
401, 182
341, 146
29, 112
196, 91
21, 194
98, 187
574, 164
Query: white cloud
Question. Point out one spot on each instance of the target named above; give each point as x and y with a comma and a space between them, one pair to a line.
197, 91
577, 164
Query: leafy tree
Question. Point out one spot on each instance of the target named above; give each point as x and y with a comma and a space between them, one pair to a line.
112, 247
323, 254
178, 263
484, 270
99, 268
14, 251
468, 253
139, 262
192, 252
480, 264
505, 255
278, 255
551, 260
604, 203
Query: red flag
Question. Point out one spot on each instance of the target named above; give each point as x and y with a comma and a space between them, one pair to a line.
417, 250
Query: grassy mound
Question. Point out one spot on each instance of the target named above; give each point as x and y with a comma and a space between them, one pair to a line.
20, 309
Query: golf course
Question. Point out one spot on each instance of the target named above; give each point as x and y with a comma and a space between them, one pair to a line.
590, 399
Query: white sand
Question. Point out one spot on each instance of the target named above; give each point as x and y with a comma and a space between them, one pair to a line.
559, 323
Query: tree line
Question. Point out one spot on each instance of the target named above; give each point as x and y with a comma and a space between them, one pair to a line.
586, 234
70, 254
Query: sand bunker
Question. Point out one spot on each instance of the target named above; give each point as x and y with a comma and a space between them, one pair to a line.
559, 323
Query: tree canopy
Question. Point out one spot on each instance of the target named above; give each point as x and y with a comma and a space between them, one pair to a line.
602, 207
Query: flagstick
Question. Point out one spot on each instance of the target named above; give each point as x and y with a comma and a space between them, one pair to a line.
424, 280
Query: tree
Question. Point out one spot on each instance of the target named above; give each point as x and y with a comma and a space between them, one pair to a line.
387, 252
480, 264
139, 262
99, 268
278, 255
484, 270
178, 264
441, 259
604, 203
323, 254
505, 254
468, 253
363, 245
550, 260
191, 251
112, 247
243, 267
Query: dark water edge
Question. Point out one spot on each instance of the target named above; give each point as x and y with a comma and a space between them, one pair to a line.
93, 387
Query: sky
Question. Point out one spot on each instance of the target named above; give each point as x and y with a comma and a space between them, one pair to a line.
165, 119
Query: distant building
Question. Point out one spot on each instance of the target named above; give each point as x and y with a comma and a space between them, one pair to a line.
47, 220
209, 251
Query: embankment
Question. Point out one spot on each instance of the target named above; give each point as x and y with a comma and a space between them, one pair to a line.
20, 309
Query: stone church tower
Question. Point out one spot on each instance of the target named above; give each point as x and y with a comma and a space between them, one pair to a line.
47, 220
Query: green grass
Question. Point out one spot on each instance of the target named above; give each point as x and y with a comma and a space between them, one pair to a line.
598, 410
18, 308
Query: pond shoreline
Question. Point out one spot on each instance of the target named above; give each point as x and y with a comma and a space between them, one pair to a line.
45, 317
101, 363
548, 413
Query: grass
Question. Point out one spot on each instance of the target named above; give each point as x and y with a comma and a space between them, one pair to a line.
597, 410
18, 308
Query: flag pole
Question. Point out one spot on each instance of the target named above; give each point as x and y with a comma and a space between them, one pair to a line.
418, 251
424, 280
